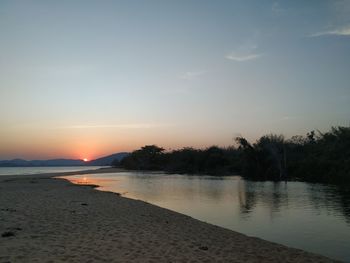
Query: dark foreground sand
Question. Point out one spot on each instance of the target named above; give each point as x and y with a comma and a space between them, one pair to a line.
55, 221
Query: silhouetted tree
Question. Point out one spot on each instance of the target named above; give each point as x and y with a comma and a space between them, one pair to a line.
148, 157
324, 157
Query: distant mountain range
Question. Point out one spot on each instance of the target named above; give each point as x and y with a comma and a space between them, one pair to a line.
103, 161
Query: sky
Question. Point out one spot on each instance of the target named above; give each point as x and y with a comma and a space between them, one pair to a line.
81, 79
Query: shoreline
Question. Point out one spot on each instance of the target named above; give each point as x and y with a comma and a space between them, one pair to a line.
54, 219
90, 171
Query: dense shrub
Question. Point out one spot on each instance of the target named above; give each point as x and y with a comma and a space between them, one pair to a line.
322, 157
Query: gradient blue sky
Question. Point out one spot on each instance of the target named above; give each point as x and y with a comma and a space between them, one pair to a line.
87, 78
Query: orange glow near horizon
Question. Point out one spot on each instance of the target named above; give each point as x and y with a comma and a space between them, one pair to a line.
92, 144
85, 160
36, 142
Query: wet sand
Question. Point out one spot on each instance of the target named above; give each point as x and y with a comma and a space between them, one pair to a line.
45, 219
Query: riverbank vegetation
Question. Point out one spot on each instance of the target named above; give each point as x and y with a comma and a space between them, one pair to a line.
317, 157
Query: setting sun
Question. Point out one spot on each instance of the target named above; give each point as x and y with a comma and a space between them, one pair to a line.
85, 160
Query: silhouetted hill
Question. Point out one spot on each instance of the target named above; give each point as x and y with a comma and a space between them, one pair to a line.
107, 160
53, 162
103, 161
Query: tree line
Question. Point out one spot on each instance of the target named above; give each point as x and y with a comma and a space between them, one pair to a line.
317, 157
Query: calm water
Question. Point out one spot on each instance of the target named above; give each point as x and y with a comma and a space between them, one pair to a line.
312, 217
40, 170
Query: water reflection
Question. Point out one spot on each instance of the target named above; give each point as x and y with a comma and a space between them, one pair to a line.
335, 199
313, 217
272, 195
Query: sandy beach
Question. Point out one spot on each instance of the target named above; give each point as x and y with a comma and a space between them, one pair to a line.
46, 219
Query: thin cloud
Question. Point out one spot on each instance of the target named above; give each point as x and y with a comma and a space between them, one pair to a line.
240, 58
244, 53
119, 126
344, 31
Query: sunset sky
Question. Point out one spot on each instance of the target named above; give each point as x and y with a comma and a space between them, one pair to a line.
82, 79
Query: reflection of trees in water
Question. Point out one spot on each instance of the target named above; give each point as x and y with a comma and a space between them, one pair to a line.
154, 187
344, 193
279, 196
214, 188
335, 199
268, 194
247, 199
274, 196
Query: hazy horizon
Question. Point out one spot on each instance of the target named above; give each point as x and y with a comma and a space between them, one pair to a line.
85, 79
169, 149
